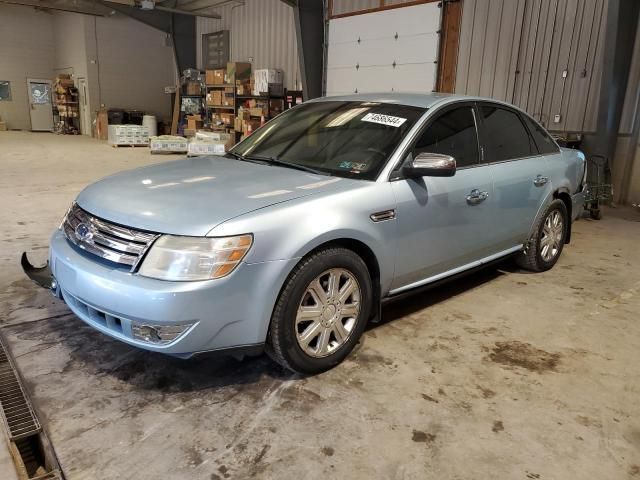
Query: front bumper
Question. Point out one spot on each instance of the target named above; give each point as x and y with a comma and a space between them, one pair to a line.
229, 312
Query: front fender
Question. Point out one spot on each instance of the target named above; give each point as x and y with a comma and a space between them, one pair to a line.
291, 230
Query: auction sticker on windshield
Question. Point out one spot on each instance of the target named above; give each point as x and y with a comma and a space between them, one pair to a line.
383, 119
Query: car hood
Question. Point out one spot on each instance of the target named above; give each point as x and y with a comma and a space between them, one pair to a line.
192, 196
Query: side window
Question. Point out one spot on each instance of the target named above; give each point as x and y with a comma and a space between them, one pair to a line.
453, 133
545, 143
505, 135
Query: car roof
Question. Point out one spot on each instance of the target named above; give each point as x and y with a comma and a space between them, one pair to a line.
422, 100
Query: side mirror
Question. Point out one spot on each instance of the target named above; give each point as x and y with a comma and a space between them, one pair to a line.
430, 165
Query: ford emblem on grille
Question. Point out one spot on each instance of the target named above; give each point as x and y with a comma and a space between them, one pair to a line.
84, 233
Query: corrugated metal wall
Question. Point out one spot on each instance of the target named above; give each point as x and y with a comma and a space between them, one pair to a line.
625, 151
542, 55
260, 29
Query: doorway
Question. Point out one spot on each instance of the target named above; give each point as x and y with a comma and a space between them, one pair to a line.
85, 117
41, 109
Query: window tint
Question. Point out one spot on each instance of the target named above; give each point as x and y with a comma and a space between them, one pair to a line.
505, 135
453, 133
544, 142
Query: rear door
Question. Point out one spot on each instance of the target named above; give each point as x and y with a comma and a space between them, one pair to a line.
520, 173
443, 221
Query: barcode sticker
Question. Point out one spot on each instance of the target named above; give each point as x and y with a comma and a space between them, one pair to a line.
384, 119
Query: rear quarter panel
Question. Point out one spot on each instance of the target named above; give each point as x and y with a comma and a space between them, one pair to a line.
565, 171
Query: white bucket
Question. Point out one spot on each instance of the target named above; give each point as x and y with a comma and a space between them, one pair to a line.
151, 123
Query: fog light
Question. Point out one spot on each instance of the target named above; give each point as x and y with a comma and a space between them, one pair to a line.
158, 334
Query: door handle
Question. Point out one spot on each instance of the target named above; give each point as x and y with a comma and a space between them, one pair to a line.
540, 180
476, 196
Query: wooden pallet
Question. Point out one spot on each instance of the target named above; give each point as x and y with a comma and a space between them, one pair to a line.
117, 145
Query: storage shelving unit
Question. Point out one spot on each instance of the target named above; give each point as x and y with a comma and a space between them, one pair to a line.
210, 109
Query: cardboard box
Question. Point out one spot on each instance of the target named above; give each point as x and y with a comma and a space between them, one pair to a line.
250, 126
215, 77
194, 124
258, 112
189, 132
275, 107
238, 71
243, 88
228, 139
214, 98
193, 88
227, 118
3, 126
264, 77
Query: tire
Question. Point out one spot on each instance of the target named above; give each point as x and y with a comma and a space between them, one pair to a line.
535, 257
304, 336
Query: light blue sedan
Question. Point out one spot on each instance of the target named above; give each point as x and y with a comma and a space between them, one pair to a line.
291, 241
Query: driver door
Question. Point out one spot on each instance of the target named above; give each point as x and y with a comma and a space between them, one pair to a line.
444, 223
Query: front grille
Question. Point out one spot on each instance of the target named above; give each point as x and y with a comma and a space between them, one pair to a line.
107, 240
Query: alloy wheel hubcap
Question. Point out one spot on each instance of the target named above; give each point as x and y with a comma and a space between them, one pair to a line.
328, 312
552, 236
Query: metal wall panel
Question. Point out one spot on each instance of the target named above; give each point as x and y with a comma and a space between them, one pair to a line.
633, 89
263, 30
489, 41
543, 55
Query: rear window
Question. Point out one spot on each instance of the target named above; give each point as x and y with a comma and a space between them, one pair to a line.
506, 137
543, 140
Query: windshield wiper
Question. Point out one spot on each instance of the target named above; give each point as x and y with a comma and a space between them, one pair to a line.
282, 163
243, 158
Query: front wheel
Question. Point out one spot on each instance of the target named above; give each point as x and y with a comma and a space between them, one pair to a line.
321, 311
550, 233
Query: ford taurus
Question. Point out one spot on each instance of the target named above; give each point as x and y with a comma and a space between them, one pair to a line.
291, 241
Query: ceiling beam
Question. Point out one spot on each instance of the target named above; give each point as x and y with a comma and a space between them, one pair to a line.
201, 4
161, 8
84, 8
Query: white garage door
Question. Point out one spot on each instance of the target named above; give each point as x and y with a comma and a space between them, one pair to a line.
391, 50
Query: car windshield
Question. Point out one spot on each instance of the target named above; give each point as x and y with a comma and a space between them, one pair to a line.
347, 139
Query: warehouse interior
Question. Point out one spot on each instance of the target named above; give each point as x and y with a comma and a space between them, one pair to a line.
500, 374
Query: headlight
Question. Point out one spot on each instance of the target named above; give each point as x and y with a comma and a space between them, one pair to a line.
194, 258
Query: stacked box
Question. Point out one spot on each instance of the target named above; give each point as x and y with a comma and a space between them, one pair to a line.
215, 77
268, 80
214, 98
205, 147
238, 72
228, 97
228, 139
193, 88
168, 144
128, 135
194, 122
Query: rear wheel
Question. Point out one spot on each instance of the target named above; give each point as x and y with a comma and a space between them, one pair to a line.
550, 233
321, 312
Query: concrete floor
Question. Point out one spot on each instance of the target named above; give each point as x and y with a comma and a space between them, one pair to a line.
503, 375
